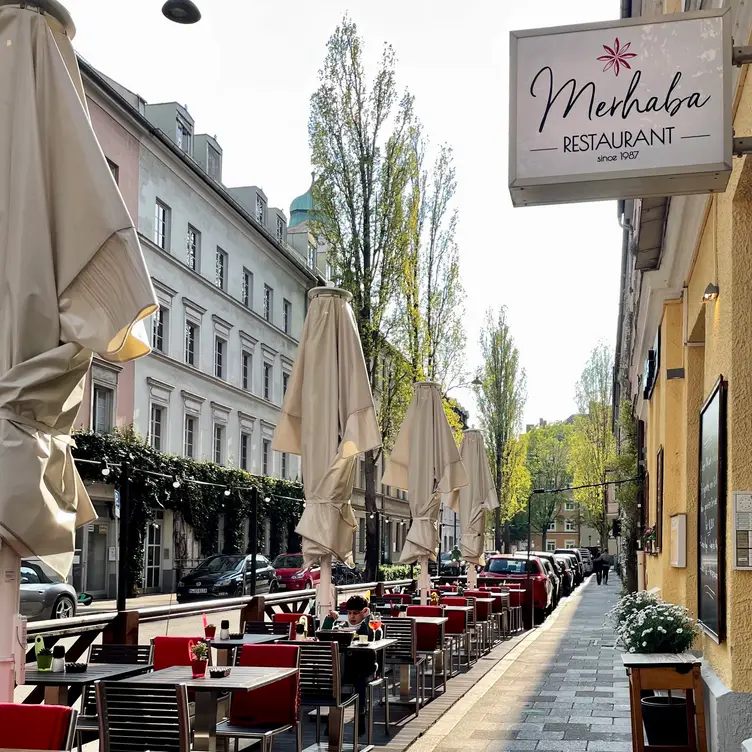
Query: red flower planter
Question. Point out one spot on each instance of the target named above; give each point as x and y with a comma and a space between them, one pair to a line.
209, 632
199, 668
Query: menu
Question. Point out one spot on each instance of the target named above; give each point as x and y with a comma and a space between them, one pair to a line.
742, 529
712, 510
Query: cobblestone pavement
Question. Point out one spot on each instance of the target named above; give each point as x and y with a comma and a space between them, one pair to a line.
562, 689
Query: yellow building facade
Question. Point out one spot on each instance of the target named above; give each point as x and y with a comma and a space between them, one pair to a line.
674, 344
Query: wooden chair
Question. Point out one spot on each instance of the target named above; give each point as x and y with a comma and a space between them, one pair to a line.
267, 627
39, 727
87, 722
483, 616
321, 684
456, 635
405, 653
140, 717
291, 620
431, 643
261, 713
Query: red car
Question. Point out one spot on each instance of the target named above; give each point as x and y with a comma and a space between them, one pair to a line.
512, 570
292, 575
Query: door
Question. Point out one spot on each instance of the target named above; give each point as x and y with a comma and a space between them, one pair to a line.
153, 557
96, 557
32, 593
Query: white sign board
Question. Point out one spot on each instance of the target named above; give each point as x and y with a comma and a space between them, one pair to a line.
625, 109
679, 540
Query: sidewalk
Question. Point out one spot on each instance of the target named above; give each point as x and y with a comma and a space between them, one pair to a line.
561, 689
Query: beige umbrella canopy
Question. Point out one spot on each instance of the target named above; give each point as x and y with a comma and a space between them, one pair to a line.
328, 418
472, 501
426, 463
73, 280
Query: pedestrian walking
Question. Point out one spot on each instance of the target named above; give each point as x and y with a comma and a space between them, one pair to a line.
598, 568
605, 561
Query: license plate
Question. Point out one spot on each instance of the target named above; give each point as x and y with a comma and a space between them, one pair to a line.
198, 590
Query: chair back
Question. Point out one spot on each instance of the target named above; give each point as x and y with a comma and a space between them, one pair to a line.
140, 654
405, 650
405, 598
457, 622
428, 636
454, 600
319, 672
173, 651
36, 726
482, 610
267, 627
143, 717
260, 706
293, 619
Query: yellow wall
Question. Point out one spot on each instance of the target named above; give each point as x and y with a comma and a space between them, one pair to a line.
720, 343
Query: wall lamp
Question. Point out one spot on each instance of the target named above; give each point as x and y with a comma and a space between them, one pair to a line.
711, 293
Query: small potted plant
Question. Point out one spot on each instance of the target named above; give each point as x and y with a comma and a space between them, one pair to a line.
210, 630
44, 659
199, 659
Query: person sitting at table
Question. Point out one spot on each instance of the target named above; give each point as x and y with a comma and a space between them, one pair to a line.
360, 667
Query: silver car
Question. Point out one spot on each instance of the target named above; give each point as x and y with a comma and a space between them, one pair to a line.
44, 595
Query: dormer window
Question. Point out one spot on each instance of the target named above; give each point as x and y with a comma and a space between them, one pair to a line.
185, 135
260, 209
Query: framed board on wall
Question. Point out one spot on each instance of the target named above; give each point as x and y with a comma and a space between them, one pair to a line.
711, 497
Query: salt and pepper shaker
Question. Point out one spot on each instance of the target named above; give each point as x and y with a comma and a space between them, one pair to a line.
224, 630
58, 659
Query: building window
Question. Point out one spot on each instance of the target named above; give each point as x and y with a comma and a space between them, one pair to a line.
192, 248
570, 544
220, 269
550, 545
158, 330
569, 506
312, 255
329, 272
156, 426
219, 441
280, 229
552, 526
268, 375
115, 170
260, 209
189, 437
247, 371
570, 526
285, 382
191, 340
246, 290
184, 136
102, 409
162, 225
283, 471
287, 316
245, 441
220, 346
266, 448
268, 302
213, 163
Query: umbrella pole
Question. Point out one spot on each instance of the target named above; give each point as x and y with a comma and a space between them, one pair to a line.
425, 581
325, 587
10, 564
472, 576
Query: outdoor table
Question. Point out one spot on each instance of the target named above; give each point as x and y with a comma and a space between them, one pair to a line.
208, 690
57, 685
224, 648
466, 609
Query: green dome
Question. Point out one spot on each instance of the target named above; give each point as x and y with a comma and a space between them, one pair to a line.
301, 208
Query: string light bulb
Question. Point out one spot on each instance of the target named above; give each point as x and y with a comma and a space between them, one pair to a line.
105, 468
267, 499
227, 491
175, 482
371, 516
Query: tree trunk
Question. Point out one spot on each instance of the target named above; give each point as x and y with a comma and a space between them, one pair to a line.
497, 515
630, 550
372, 520
604, 526
543, 539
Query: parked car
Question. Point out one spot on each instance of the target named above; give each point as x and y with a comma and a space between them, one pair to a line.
575, 552
587, 561
344, 575
292, 575
449, 566
226, 576
552, 571
514, 569
566, 567
44, 594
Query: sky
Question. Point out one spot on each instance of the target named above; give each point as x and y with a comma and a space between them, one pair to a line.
247, 70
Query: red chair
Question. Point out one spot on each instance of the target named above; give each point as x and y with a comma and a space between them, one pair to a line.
456, 634
36, 726
430, 642
292, 620
483, 614
470, 628
173, 651
264, 713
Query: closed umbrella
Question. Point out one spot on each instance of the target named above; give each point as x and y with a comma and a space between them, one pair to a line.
328, 418
73, 282
472, 501
426, 463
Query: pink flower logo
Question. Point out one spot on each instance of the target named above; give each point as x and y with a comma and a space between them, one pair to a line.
617, 57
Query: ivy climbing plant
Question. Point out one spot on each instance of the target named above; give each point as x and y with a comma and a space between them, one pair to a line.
200, 498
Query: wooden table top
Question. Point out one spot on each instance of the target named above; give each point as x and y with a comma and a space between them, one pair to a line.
646, 660
466, 609
437, 620
241, 678
248, 639
374, 645
94, 672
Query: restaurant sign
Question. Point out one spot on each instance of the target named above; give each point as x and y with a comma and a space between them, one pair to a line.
624, 109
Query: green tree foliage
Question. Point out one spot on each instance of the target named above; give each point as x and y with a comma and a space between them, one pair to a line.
515, 480
592, 453
360, 135
628, 494
548, 464
501, 399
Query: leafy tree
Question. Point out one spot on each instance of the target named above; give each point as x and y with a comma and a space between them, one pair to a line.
593, 447
501, 398
360, 135
515, 481
548, 464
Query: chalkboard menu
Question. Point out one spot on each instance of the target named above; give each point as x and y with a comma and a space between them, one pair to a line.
712, 512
